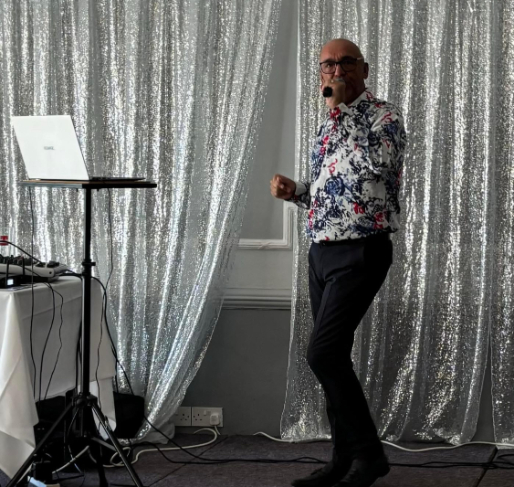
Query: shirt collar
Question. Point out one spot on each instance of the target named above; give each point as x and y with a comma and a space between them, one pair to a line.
365, 95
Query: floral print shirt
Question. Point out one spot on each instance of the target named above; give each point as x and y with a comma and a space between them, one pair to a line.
355, 172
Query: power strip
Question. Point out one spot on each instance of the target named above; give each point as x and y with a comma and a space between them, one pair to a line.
44, 272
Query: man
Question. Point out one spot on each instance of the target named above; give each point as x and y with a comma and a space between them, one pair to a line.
352, 198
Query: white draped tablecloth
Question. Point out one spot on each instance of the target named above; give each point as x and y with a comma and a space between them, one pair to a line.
18, 379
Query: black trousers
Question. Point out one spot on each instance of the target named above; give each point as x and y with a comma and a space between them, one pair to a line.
344, 278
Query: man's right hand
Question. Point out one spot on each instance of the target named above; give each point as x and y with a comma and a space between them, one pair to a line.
282, 187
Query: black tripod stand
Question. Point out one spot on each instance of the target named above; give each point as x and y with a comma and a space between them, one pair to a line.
85, 404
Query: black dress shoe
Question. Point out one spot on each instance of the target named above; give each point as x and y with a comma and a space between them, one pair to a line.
364, 472
326, 476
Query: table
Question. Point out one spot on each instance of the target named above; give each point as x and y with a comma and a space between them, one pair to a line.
18, 413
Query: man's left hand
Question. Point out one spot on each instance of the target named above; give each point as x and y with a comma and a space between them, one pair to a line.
338, 91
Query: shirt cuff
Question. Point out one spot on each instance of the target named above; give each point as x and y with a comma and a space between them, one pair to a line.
300, 188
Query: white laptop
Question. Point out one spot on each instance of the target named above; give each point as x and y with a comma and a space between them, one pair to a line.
50, 149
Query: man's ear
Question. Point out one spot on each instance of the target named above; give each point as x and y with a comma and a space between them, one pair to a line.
366, 70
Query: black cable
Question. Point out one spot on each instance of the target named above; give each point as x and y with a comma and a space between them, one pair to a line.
494, 465
83, 476
24, 251
110, 238
491, 466
46, 341
74, 463
32, 312
98, 349
73, 418
104, 309
31, 329
209, 461
104, 298
78, 361
32, 290
60, 346
111, 249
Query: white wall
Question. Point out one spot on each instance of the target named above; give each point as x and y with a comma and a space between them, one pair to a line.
262, 271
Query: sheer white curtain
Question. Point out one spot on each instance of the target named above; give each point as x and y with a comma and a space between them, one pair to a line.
421, 350
168, 89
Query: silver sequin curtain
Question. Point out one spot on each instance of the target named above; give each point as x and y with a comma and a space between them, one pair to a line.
168, 89
421, 350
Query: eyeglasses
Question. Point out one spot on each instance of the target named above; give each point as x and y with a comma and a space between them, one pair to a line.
347, 64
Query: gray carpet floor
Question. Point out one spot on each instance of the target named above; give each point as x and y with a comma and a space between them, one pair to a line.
180, 469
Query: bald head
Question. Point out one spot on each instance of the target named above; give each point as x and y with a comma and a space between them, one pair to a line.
355, 72
346, 46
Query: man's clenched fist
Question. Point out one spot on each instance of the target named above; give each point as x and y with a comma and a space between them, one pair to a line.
282, 187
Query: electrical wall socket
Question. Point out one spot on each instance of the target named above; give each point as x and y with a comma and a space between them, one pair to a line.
207, 416
182, 417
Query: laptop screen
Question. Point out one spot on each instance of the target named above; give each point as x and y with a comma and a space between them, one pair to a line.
50, 148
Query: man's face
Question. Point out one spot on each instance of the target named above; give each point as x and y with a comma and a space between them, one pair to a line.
354, 78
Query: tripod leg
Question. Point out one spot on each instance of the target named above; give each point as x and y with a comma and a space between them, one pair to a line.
105, 424
25, 467
96, 454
